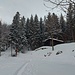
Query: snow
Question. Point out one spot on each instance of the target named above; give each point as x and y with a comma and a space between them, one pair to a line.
53, 39
42, 61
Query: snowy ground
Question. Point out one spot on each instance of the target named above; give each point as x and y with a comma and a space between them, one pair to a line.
42, 61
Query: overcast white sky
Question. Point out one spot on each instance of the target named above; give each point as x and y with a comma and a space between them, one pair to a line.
8, 9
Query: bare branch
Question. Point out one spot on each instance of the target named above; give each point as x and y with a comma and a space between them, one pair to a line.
46, 5
50, 1
64, 9
63, 4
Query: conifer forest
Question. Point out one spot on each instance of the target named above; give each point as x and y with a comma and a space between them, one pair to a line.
31, 32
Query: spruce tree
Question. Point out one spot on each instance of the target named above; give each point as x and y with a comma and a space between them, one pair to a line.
14, 32
55, 24
27, 28
48, 23
62, 23
22, 35
31, 32
73, 26
63, 28
46, 33
36, 32
69, 21
41, 30
0, 37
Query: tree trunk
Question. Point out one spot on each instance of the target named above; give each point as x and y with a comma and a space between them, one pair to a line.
0, 51
52, 43
16, 51
73, 35
11, 50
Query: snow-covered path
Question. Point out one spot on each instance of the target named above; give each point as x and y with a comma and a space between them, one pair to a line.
21, 69
13, 65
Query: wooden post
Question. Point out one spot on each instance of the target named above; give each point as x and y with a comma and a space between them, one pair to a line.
52, 43
0, 46
0, 37
11, 50
16, 51
0, 50
73, 33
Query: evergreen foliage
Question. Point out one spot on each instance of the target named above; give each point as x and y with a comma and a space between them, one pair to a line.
33, 31
0, 38
62, 23
42, 28
70, 22
17, 33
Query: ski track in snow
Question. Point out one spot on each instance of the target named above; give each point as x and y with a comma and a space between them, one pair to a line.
21, 69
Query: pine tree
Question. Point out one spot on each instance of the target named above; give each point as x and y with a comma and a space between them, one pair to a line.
48, 24
28, 33
31, 32
52, 24
5, 33
46, 33
41, 30
27, 28
69, 22
0, 29
14, 32
0, 37
55, 24
73, 26
62, 23
53, 27
63, 28
36, 32
22, 35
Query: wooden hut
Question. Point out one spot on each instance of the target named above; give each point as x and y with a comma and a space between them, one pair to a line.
48, 42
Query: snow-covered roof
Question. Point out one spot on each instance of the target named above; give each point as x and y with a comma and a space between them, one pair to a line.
53, 39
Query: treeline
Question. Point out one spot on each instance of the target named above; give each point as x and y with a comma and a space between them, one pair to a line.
31, 32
